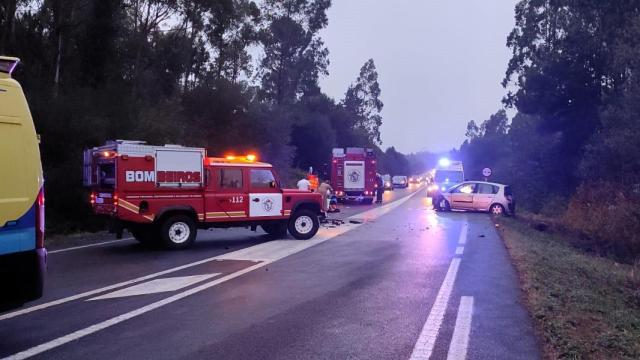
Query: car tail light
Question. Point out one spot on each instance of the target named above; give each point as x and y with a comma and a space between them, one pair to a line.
92, 198
40, 220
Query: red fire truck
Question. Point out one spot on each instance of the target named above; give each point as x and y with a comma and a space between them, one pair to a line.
353, 174
165, 193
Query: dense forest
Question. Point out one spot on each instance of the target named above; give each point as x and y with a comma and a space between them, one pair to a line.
572, 151
228, 75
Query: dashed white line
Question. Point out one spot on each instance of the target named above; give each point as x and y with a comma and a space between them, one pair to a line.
460, 340
90, 245
427, 339
463, 234
459, 250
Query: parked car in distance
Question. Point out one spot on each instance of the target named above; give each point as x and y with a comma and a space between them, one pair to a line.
477, 196
415, 179
388, 185
399, 181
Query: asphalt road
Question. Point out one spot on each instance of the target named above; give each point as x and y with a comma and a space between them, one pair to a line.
400, 281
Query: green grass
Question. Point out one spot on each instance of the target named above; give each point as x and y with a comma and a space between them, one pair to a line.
584, 307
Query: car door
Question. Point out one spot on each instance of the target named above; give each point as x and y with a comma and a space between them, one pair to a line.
264, 195
462, 196
227, 199
484, 196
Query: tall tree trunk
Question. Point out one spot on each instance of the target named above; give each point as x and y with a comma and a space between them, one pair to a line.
56, 78
8, 28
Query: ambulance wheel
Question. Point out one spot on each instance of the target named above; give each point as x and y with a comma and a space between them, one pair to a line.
144, 234
276, 229
304, 224
178, 232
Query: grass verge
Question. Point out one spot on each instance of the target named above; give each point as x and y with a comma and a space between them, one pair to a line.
584, 307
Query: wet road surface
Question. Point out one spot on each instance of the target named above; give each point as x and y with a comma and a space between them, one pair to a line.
400, 282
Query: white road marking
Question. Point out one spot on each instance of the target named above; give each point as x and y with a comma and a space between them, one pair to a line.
463, 234
459, 250
427, 339
271, 254
460, 340
102, 289
120, 318
90, 245
157, 286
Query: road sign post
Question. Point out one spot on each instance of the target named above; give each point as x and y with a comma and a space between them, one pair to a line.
486, 172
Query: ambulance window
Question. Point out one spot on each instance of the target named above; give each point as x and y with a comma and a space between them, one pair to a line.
262, 179
230, 178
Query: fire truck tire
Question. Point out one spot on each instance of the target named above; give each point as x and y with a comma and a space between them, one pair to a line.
277, 229
304, 224
145, 234
178, 232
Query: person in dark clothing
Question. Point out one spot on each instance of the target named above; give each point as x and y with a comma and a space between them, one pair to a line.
379, 189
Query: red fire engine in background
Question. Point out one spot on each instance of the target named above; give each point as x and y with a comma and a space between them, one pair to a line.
165, 193
353, 174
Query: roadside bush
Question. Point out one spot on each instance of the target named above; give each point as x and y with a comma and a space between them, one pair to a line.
608, 217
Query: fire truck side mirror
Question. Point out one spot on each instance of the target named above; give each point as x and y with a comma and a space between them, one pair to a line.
273, 184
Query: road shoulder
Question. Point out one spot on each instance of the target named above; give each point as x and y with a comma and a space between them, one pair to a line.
582, 306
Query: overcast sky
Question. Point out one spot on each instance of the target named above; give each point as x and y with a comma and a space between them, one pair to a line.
440, 63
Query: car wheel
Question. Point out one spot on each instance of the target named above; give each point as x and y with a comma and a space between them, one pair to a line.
304, 224
443, 204
145, 234
497, 209
178, 232
276, 229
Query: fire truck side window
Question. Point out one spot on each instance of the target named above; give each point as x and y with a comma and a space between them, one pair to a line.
230, 178
262, 179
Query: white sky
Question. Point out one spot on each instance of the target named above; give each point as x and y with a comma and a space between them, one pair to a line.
440, 63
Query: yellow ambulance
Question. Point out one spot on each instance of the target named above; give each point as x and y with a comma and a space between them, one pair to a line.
22, 251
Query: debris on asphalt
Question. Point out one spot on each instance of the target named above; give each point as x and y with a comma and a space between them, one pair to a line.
481, 235
354, 221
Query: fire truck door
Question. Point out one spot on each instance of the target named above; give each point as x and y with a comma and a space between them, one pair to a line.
264, 195
227, 196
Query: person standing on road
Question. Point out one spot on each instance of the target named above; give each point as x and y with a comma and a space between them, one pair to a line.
304, 184
326, 191
379, 189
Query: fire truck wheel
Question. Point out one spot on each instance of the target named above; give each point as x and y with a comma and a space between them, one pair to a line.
178, 232
276, 229
304, 224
